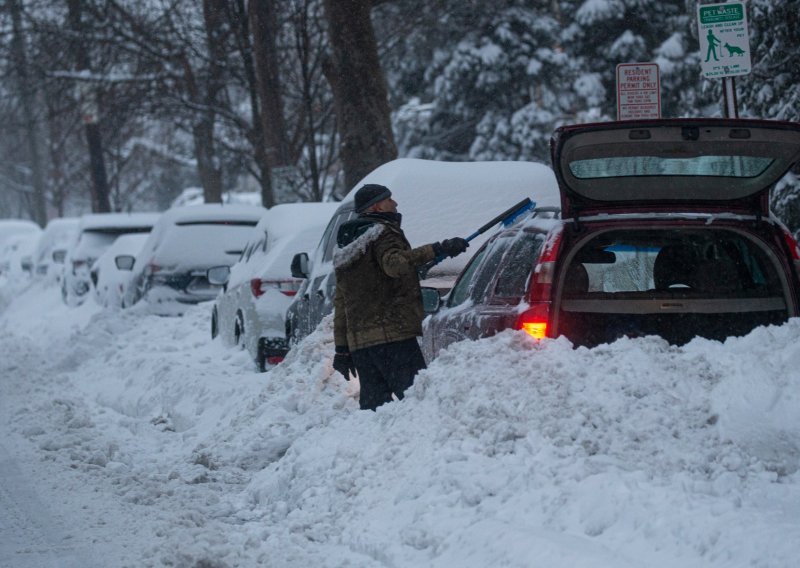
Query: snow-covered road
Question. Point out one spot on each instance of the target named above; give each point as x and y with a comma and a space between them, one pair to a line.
32, 536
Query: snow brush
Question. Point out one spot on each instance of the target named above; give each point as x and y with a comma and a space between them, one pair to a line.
506, 218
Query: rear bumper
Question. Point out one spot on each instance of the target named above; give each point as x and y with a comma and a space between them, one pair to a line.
271, 351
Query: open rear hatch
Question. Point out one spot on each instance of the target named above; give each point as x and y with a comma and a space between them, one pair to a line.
672, 165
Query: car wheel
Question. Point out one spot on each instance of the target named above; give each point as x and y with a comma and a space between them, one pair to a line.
214, 323
261, 356
291, 335
238, 330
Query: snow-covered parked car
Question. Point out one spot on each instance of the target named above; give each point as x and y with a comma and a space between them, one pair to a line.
15, 255
251, 311
13, 234
17, 227
438, 200
170, 270
111, 273
96, 232
51, 250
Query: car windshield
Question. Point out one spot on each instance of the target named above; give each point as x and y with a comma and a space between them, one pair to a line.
632, 166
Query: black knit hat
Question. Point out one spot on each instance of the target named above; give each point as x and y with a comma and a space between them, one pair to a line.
370, 194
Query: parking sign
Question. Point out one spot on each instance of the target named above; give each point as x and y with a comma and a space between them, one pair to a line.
724, 41
638, 91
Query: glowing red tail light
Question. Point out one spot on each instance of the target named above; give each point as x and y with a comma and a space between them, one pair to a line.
535, 320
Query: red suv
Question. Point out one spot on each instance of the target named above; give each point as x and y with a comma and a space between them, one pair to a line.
665, 230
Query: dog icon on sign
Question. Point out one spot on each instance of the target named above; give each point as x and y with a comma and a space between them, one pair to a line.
733, 50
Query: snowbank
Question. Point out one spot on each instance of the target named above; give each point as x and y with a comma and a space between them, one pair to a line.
505, 453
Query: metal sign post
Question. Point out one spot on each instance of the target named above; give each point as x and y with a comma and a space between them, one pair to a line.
729, 97
724, 47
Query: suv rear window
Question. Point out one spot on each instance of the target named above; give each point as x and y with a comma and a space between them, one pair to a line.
627, 166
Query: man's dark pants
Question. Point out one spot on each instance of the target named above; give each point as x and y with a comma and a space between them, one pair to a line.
385, 369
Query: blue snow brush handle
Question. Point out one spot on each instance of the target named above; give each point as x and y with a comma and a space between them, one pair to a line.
506, 218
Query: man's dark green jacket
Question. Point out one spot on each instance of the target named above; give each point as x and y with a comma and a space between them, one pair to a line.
378, 298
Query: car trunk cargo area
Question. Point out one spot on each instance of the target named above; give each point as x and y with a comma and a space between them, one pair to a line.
676, 282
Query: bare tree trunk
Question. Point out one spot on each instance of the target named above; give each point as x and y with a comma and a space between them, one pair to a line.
208, 166
207, 169
27, 96
94, 140
58, 184
263, 25
259, 147
359, 89
303, 46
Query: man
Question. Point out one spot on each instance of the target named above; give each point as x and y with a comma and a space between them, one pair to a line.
378, 303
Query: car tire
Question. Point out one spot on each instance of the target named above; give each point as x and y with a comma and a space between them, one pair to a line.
261, 356
291, 335
214, 323
238, 330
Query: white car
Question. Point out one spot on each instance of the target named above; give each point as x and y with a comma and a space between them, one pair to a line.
251, 311
17, 227
111, 273
170, 270
48, 259
96, 232
15, 254
11, 231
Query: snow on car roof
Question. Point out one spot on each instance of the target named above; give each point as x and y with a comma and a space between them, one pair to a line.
99, 221
276, 263
441, 200
281, 224
288, 218
57, 232
10, 227
214, 212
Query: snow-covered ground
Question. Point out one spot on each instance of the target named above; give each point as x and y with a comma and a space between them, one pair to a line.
130, 440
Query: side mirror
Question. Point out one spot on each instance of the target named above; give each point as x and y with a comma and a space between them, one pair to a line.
299, 266
59, 255
218, 275
431, 300
27, 263
124, 261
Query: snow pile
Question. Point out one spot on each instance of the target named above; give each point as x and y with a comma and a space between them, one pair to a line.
506, 452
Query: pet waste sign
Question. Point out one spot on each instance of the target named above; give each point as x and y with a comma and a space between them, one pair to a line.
724, 42
638, 91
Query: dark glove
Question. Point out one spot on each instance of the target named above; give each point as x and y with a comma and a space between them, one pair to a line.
451, 247
343, 362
